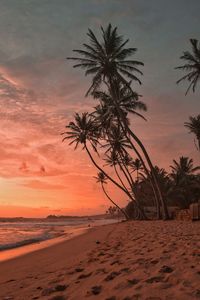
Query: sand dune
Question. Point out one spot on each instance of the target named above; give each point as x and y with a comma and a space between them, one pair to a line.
131, 260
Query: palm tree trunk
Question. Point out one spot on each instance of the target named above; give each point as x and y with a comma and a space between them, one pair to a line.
119, 177
123, 212
164, 206
129, 131
157, 204
116, 183
110, 178
145, 168
126, 176
131, 182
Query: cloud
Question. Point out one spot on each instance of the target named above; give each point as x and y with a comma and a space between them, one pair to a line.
42, 185
40, 90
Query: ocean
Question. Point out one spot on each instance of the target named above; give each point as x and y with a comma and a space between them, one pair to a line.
21, 233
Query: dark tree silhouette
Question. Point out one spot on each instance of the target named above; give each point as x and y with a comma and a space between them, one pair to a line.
192, 65
101, 178
194, 126
109, 63
85, 130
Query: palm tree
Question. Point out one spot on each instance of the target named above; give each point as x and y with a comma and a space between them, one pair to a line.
113, 160
194, 127
128, 102
101, 178
84, 129
184, 167
108, 61
136, 165
107, 58
192, 65
186, 182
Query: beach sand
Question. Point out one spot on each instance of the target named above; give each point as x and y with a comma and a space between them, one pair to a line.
149, 260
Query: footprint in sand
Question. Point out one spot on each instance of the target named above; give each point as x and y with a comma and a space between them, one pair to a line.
133, 281
82, 276
166, 269
153, 298
79, 270
58, 298
101, 270
154, 279
114, 262
101, 253
112, 275
95, 290
57, 288
125, 270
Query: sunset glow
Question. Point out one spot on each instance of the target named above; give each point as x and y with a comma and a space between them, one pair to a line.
40, 92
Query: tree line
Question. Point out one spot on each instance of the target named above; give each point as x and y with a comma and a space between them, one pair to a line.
108, 137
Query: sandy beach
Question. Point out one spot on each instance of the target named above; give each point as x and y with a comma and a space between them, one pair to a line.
131, 260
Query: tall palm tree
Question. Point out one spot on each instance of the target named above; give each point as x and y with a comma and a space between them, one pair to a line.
101, 178
107, 58
194, 126
192, 65
109, 63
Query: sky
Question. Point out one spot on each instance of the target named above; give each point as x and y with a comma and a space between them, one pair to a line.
40, 92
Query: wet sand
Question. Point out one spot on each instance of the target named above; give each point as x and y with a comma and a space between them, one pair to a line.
149, 260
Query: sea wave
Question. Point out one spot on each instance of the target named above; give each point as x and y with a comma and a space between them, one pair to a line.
25, 242
15, 235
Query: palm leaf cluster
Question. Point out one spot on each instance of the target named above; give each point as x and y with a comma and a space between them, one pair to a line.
180, 187
107, 130
106, 58
192, 65
82, 129
194, 126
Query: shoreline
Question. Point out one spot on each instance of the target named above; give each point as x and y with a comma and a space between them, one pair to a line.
70, 232
128, 260
13, 253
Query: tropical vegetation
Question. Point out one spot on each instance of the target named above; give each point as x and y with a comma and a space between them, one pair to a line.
109, 139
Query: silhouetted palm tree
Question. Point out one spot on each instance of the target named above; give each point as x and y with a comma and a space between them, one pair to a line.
184, 167
128, 102
116, 142
136, 165
108, 61
186, 182
101, 178
194, 127
84, 129
112, 160
192, 65
107, 58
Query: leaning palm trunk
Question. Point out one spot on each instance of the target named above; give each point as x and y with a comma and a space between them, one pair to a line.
140, 215
145, 168
114, 182
115, 204
110, 178
130, 179
164, 206
129, 131
117, 173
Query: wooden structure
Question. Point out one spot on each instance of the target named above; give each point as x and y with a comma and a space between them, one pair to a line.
195, 211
